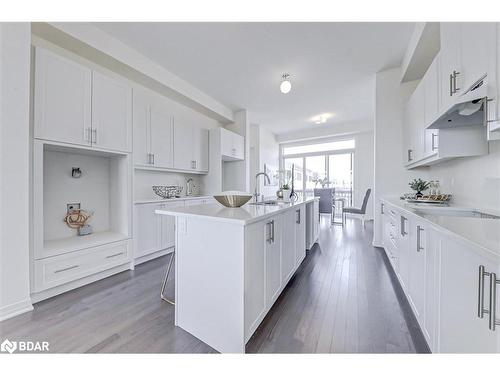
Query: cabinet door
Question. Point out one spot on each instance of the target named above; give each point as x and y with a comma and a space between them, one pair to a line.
238, 146
62, 103
288, 246
142, 139
226, 142
407, 134
460, 329
431, 107
449, 62
316, 219
273, 259
300, 235
478, 49
404, 252
417, 250
431, 288
111, 113
162, 139
255, 275
183, 144
148, 229
168, 226
417, 122
200, 150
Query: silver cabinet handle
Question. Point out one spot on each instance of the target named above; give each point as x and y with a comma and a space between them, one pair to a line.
480, 294
94, 135
153, 158
193, 164
272, 231
403, 226
382, 208
451, 84
433, 146
297, 214
493, 322
419, 230
66, 269
268, 232
409, 155
455, 88
114, 255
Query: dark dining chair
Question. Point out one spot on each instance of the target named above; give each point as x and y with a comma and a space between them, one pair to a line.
356, 210
326, 204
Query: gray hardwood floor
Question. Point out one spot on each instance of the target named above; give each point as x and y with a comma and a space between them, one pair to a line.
343, 299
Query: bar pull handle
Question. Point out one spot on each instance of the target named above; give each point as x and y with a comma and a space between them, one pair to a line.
493, 322
297, 214
480, 295
114, 255
403, 226
66, 269
455, 88
419, 230
433, 146
94, 135
272, 231
382, 208
451, 84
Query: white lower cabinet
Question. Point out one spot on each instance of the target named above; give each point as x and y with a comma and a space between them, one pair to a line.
288, 247
273, 230
153, 232
300, 234
441, 279
460, 328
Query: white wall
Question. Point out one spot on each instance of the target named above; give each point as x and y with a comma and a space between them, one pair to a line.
473, 181
391, 178
363, 170
14, 168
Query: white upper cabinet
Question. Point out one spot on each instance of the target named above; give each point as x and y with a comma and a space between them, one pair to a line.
142, 131
478, 50
111, 113
232, 145
161, 136
431, 106
190, 145
451, 77
62, 103
76, 105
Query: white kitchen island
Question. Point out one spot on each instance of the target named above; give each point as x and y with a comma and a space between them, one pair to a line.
233, 263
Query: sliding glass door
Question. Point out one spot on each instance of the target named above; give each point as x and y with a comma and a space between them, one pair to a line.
340, 175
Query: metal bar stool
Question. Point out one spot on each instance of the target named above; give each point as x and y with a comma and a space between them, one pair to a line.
162, 293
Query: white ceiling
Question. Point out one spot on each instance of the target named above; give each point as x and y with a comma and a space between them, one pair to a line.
332, 65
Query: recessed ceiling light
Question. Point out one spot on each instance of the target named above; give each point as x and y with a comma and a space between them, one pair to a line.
285, 85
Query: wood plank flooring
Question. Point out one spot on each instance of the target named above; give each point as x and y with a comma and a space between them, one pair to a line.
343, 299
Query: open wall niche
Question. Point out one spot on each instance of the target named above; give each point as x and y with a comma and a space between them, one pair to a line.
104, 188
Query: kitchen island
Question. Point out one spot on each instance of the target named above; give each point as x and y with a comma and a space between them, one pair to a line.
233, 263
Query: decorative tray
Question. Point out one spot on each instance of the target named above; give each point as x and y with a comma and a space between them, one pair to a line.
434, 199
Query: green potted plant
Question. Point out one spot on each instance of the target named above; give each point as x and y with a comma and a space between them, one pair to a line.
419, 186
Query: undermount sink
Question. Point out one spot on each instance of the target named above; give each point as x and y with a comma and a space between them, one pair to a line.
265, 203
447, 211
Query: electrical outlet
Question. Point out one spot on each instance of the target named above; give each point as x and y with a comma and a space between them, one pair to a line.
72, 206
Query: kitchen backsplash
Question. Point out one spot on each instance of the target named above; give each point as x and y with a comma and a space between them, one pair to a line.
473, 181
143, 180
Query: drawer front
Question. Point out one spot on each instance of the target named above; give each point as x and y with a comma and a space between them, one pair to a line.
62, 269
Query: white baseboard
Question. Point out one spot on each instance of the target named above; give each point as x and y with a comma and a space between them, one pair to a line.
14, 309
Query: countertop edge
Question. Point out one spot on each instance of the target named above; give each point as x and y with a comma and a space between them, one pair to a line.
446, 231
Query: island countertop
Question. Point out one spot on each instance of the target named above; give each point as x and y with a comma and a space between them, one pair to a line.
247, 214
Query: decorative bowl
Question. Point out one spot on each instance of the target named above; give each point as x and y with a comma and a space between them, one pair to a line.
233, 199
167, 191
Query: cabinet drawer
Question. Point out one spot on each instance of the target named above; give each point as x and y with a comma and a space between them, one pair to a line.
61, 269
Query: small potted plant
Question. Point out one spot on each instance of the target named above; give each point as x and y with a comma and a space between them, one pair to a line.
286, 192
419, 186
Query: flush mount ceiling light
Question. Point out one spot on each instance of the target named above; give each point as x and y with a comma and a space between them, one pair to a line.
321, 119
285, 85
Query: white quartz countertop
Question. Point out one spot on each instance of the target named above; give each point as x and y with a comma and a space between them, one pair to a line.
162, 200
479, 231
247, 214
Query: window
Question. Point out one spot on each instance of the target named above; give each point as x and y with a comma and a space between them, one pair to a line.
321, 165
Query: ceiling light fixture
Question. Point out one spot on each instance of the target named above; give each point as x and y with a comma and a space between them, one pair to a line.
285, 85
321, 119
